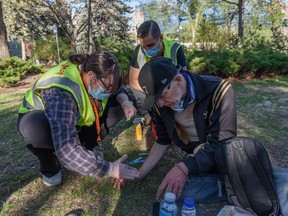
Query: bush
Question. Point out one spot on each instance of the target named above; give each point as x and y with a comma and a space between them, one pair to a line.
264, 62
238, 62
221, 63
45, 50
13, 69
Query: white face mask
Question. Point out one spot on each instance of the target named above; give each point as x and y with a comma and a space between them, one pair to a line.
179, 107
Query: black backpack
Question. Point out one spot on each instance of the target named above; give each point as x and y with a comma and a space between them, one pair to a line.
247, 173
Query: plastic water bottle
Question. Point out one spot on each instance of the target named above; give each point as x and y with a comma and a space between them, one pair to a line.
168, 206
188, 208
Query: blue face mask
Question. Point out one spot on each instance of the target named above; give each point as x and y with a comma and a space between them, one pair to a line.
152, 52
99, 94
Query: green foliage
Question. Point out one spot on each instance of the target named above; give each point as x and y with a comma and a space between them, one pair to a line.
222, 63
264, 61
46, 49
30, 19
13, 69
208, 35
238, 62
122, 49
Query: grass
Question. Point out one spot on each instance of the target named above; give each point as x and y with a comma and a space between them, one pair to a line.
262, 114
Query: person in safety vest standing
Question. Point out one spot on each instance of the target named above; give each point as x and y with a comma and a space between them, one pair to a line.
152, 44
69, 110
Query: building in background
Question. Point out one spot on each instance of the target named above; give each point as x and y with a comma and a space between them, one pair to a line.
136, 18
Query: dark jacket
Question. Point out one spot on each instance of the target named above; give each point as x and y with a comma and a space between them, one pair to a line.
215, 119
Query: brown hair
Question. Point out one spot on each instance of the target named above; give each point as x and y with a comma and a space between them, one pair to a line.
102, 63
149, 27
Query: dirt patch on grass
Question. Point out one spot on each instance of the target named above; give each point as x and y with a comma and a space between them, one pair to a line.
22, 86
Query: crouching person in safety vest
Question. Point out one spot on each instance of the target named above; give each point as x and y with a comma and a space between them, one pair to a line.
69, 110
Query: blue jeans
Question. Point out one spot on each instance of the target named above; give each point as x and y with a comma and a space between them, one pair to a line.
206, 188
281, 178
209, 188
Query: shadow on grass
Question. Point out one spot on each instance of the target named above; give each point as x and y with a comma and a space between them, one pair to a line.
263, 115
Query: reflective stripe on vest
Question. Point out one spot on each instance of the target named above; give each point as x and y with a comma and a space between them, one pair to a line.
70, 80
170, 51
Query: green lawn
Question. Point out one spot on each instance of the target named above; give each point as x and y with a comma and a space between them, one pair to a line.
262, 114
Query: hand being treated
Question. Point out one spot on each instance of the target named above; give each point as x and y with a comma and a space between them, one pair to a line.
174, 182
120, 170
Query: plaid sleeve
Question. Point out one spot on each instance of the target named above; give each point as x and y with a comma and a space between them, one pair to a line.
61, 111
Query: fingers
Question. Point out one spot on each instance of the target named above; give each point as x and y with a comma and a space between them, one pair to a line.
128, 172
161, 189
175, 187
129, 110
123, 158
173, 182
128, 116
179, 186
118, 183
131, 173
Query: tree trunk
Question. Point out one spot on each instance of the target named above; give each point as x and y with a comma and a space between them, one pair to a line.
23, 49
89, 35
4, 51
241, 21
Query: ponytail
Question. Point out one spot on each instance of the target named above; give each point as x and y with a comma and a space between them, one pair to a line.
78, 59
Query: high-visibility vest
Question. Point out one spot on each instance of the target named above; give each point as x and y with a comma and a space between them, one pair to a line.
170, 51
65, 76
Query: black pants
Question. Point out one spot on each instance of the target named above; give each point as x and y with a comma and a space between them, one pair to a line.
35, 129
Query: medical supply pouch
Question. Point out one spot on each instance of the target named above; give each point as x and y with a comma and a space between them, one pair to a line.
247, 173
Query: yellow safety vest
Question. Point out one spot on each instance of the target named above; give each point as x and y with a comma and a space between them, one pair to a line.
65, 76
170, 51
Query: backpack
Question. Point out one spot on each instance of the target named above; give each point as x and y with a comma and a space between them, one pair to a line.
247, 174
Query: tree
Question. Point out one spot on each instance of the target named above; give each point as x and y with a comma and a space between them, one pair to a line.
109, 20
33, 19
4, 51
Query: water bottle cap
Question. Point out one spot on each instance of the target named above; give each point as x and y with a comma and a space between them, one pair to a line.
189, 202
170, 197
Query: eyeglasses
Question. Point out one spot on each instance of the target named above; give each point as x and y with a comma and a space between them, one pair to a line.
107, 89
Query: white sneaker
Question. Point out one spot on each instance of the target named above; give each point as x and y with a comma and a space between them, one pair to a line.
53, 180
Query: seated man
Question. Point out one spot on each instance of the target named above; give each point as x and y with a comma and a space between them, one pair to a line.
193, 112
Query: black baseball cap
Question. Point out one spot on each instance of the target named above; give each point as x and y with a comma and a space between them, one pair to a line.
154, 76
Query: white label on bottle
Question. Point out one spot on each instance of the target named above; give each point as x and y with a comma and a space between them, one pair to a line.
164, 213
188, 213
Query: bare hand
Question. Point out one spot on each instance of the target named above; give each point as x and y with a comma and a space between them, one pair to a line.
120, 170
117, 183
174, 182
129, 110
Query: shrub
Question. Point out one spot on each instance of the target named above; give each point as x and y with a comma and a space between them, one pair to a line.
13, 69
238, 62
222, 63
262, 62
45, 50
